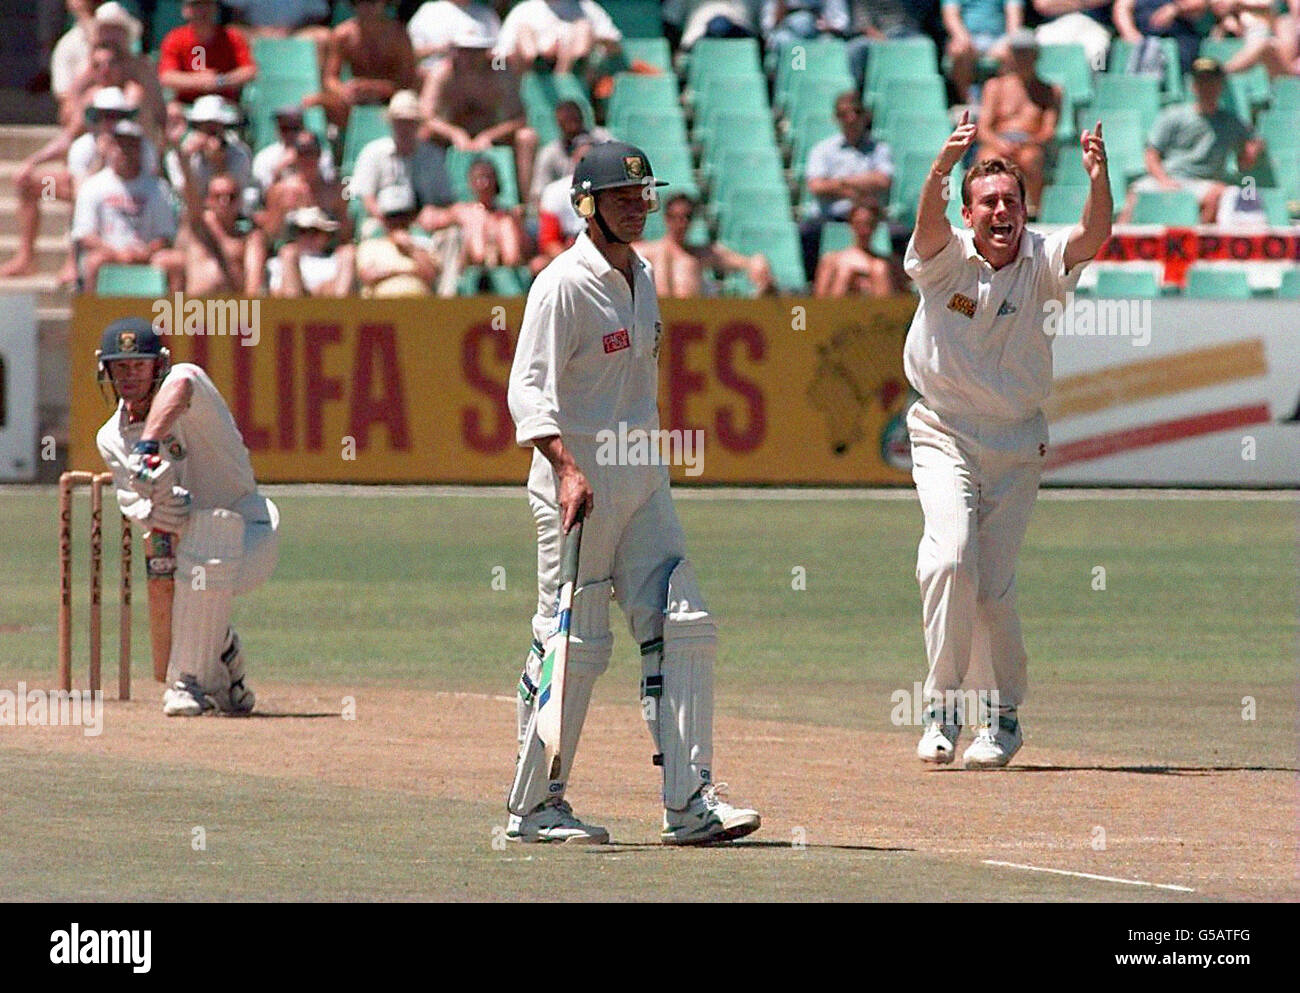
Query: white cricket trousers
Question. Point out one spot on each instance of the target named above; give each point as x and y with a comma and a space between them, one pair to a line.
632, 537
976, 481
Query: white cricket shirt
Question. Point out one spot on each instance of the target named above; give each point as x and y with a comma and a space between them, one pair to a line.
588, 350
977, 345
204, 444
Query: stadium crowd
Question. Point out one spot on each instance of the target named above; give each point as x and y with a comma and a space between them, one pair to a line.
318, 148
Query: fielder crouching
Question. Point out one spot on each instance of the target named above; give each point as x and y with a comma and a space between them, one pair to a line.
586, 362
180, 468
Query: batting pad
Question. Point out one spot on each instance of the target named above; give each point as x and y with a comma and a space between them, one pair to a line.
590, 645
207, 566
685, 711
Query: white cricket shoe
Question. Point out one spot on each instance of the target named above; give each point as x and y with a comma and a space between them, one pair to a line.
938, 745
239, 699
185, 698
708, 819
994, 746
554, 822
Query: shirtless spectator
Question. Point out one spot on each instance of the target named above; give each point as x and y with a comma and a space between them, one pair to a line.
108, 68
1018, 116
309, 19
433, 27
555, 161
210, 148
558, 34
974, 27
122, 215
493, 236
376, 50
683, 270
214, 257
274, 162
306, 266
112, 25
1272, 39
857, 270
71, 55
396, 263
304, 185
202, 57
402, 158
475, 106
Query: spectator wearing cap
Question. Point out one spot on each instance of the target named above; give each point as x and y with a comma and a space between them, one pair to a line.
436, 24
306, 266
788, 21
303, 184
402, 158
1077, 22
685, 270
378, 53
210, 148
476, 105
1018, 115
841, 168
558, 34
857, 270
202, 57
1189, 145
492, 236
60, 167
397, 263
1176, 19
123, 214
974, 27
558, 223
555, 160
273, 162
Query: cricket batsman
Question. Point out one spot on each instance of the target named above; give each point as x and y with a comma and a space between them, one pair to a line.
182, 473
980, 355
587, 362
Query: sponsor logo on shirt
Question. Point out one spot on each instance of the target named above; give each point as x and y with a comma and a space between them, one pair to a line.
962, 304
616, 341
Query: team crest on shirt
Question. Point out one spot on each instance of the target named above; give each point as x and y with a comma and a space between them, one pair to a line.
962, 304
616, 341
173, 448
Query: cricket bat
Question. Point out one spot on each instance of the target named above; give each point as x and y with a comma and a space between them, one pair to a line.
160, 567
555, 657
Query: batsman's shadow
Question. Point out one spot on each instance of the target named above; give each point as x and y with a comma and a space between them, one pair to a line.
621, 847
1144, 770
269, 715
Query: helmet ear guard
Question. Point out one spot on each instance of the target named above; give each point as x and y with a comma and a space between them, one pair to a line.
584, 201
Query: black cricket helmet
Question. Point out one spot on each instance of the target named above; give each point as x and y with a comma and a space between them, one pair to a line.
607, 165
131, 338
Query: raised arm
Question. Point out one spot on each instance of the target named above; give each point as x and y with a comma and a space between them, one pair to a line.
932, 227
1094, 227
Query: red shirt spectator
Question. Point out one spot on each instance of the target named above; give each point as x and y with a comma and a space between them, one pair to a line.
208, 48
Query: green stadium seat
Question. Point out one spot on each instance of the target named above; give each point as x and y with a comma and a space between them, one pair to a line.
751, 204
1254, 81
823, 58
287, 58
924, 132
636, 18
719, 57
734, 166
1067, 65
1274, 205
732, 92
540, 92
507, 281
779, 242
502, 156
725, 127
1140, 93
804, 133
904, 57
1212, 282
1279, 127
651, 51
1062, 204
1172, 82
130, 281
1113, 284
925, 95
673, 166
1176, 208
1286, 95
811, 92
1290, 288
1126, 137
838, 235
166, 16
641, 93
651, 127
365, 124
910, 170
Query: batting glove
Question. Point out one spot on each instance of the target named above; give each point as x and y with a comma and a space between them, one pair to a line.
150, 475
171, 512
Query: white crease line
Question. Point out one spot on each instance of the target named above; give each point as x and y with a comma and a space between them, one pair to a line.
1089, 875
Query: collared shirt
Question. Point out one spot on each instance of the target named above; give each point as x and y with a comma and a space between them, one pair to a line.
1193, 145
587, 357
978, 344
204, 444
835, 158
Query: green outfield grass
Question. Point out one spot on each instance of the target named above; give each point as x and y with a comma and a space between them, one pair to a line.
1199, 611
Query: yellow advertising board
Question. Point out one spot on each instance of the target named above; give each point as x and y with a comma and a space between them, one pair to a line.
784, 391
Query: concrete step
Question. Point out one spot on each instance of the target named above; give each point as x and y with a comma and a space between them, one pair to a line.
44, 285
17, 141
56, 216
51, 251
